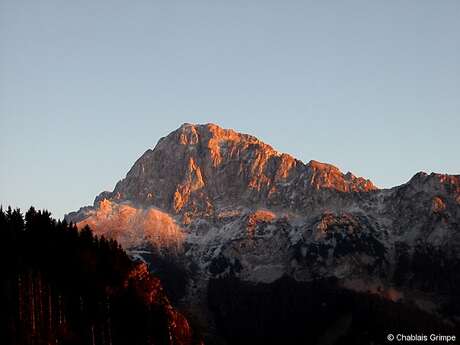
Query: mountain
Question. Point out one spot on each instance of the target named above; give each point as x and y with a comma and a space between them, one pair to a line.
209, 203
197, 169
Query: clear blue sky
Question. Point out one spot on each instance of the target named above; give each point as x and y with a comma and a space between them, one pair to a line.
87, 86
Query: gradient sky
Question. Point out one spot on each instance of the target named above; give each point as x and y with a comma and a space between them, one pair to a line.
87, 86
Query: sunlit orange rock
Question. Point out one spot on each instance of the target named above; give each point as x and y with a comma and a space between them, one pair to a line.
197, 167
133, 226
437, 205
257, 217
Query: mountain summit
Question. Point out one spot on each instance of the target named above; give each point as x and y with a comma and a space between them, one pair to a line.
196, 168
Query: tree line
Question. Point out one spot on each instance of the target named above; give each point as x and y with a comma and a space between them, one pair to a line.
64, 285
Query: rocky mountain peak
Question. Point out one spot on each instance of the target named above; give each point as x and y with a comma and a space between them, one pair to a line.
197, 168
325, 175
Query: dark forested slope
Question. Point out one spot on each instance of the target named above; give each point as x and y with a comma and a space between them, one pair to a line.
64, 286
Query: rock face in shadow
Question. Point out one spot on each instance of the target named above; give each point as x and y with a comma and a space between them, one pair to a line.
232, 206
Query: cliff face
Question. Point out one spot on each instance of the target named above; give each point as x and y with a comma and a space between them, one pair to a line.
197, 168
236, 207
64, 287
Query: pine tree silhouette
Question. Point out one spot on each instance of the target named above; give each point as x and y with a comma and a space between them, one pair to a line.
65, 286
